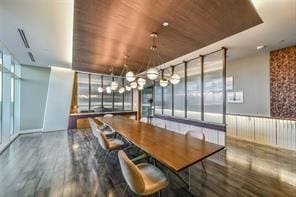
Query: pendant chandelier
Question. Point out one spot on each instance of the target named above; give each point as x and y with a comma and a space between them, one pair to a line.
152, 72
114, 85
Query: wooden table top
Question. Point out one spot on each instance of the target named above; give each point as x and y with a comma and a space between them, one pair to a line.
172, 149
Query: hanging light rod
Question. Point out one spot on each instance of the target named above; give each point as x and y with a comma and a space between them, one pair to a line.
152, 73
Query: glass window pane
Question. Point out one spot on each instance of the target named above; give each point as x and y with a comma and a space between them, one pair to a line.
107, 97
83, 92
213, 88
194, 89
118, 98
17, 98
12, 100
127, 99
167, 95
158, 98
6, 98
96, 97
179, 92
1, 66
147, 94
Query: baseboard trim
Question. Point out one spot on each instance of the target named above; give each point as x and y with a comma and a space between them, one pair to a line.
260, 143
30, 131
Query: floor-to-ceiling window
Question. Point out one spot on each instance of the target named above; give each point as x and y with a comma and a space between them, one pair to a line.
12, 78
90, 99
9, 96
1, 67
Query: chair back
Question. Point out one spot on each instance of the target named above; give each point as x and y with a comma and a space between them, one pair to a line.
92, 126
132, 117
131, 173
108, 115
144, 119
196, 134
103, 141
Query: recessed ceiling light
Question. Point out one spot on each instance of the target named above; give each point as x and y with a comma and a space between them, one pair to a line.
260, 47
165, 24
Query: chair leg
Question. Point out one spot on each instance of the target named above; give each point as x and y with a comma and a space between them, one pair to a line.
204, 168
124, 190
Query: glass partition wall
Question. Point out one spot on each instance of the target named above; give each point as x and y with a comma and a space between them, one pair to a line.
91, 100
200, 95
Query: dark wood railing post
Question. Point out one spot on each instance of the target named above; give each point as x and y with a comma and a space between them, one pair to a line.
139, 110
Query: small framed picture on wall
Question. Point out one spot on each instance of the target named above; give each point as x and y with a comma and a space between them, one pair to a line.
235, 97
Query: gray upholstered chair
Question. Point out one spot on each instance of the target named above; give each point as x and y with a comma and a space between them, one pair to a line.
96, 128
132, 117
144, 119
143, 179
109, 145
108, 115
199, 135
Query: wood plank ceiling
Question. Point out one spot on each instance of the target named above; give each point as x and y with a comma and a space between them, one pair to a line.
106, 30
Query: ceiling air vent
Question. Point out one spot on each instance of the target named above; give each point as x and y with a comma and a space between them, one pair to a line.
31, 56
23, 37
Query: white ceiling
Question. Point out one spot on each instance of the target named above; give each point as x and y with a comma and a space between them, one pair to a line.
48, 25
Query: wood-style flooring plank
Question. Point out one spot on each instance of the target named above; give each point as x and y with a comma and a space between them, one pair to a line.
69, 163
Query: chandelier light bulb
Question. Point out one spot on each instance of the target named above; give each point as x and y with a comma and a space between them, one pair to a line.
114, 85
100, 89
130, 76
134, 85
152, 73
128, 88
121, 90
163, 82
175, 78
108, 90
141, 81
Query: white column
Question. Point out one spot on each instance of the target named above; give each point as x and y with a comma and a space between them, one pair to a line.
58, 101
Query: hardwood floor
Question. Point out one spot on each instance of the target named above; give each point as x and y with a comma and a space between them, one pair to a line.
68, 163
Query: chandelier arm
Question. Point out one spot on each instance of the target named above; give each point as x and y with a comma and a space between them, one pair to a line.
150, 59
147, 57
160, 59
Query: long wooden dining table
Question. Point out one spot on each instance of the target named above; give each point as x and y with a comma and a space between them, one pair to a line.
174, 150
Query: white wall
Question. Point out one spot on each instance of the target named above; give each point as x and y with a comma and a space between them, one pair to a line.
33, 90
58, 99
251, 75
